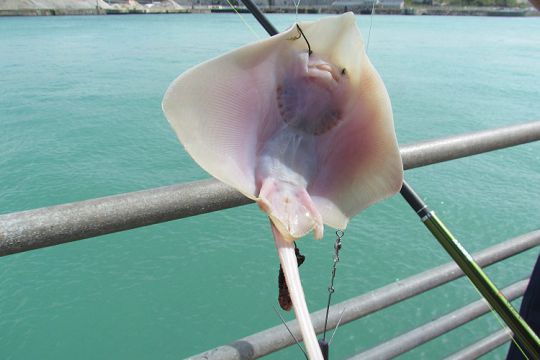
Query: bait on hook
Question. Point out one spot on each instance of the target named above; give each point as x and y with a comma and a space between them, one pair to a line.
285, 302
284, 298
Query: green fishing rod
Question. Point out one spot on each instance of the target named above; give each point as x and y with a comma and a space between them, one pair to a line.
522, 332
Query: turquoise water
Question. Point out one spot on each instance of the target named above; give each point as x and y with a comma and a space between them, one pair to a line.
80, 118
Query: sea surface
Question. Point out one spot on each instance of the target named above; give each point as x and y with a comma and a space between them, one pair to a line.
80, 118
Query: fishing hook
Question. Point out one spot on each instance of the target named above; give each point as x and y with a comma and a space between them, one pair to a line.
305, 38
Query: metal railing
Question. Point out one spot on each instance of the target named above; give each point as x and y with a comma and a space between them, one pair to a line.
483, 346
277, 338
27, 230
435, 328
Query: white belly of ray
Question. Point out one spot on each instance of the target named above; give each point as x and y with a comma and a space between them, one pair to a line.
287, 157
308, 135
283, 171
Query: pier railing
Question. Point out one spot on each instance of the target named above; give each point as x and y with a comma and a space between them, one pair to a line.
276, 338
33, 229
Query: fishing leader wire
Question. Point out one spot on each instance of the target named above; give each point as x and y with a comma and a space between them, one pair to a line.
325, 345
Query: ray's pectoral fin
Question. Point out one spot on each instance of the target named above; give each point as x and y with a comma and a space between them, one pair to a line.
304, 127
290, 208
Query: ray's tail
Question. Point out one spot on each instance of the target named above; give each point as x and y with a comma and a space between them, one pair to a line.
287, 257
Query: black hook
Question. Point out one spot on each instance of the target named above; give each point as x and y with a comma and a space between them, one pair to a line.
305, 38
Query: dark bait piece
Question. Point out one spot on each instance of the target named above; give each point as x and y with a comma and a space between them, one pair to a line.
284, 298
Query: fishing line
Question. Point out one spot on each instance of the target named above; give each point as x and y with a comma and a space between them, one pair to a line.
370, 23
337, 326
331, 289
290, 332
244, 20
296, 5
500, 321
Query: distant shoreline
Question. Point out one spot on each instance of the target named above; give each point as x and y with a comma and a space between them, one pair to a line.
425, 10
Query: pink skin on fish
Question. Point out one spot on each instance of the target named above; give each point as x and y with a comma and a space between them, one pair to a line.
289, 265
309, 107
310, 137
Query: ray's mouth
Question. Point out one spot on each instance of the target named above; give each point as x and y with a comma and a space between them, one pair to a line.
320, 69
325, 71
309, 99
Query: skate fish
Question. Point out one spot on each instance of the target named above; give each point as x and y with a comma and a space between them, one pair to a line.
301, 123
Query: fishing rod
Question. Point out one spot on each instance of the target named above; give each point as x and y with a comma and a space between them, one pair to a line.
474, 272
261, 18
524, 334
